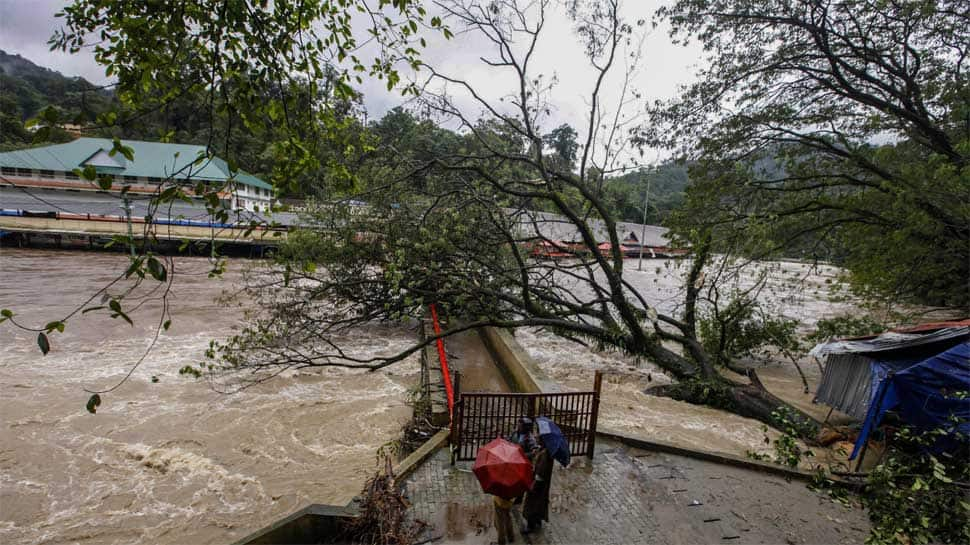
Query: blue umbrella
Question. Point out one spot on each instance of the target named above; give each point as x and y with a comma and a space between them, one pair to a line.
554, 440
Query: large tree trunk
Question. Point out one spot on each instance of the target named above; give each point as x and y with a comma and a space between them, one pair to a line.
749, 400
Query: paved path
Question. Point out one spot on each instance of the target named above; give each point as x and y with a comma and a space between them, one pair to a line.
626, 495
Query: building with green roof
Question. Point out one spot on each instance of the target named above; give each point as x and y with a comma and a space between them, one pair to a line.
153, 163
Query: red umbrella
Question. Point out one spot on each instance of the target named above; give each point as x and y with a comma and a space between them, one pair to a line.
502, 469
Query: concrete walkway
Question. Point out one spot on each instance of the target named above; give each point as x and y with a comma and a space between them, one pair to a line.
626, 495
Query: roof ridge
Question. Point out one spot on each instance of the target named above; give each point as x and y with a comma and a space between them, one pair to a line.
152, 160
137, 141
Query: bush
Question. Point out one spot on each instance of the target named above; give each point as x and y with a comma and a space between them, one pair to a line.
915, 497
787, 450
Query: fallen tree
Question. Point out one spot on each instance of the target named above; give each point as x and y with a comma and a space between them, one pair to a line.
457, 228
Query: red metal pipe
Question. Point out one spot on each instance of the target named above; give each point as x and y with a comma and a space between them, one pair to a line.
444, 362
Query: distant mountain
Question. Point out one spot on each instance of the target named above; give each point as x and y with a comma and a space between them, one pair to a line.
26, 88
667, 183
15, 65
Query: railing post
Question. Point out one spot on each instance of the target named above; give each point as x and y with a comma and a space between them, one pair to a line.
456, 419
597, 385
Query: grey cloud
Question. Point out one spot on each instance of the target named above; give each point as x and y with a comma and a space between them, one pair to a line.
25, 27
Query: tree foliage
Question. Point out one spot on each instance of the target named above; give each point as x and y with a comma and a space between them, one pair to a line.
917, 497
281, 71
837, 129
452, 220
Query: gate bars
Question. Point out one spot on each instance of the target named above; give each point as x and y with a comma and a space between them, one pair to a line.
483, 416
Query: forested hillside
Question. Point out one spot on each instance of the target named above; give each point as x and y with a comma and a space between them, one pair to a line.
666, 182
25, 89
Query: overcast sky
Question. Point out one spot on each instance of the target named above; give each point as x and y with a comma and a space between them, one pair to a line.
26, 25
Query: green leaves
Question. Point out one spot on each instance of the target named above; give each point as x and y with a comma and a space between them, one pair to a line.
56, 325
88, 173
157, 270
93, 403
118, 147
135, 267
916, 497
150, 263
117, 312
43, 343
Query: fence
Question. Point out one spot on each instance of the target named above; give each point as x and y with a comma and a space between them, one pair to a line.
482, 416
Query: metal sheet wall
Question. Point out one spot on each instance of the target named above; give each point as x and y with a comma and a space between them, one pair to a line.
846, 384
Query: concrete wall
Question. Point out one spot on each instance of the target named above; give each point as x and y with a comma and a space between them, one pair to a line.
95, 227
313, 524
520, 370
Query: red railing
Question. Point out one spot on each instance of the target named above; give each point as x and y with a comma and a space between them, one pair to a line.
443, 358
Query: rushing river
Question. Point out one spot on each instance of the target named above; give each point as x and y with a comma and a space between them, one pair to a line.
797, 291
170, 461
173, 461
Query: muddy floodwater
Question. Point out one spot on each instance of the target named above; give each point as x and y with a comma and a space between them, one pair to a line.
168, 460
171, 461
798, 291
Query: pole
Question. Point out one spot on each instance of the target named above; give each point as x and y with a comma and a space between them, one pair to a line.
643, 227
882, 393
131, 234
594, 413
455, 436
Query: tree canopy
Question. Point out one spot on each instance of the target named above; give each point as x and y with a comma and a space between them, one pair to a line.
452, 220
839, 130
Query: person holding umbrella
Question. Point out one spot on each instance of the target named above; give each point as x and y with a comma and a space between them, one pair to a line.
524, 438
504, 472
552, 446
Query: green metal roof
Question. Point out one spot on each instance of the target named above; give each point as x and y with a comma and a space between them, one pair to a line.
151, 160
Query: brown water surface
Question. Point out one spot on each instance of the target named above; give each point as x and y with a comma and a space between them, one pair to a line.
172, 461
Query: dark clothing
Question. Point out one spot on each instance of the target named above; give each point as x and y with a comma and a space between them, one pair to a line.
526, 441
536, 508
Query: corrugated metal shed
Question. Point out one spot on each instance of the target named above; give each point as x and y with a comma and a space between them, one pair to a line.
847, 384
854, 367
151, 160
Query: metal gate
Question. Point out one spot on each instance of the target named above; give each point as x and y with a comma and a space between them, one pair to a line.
482, 416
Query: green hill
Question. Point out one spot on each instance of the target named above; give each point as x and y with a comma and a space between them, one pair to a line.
25, 89
667, 182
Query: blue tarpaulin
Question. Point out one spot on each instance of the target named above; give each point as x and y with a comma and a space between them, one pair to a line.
923, 394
